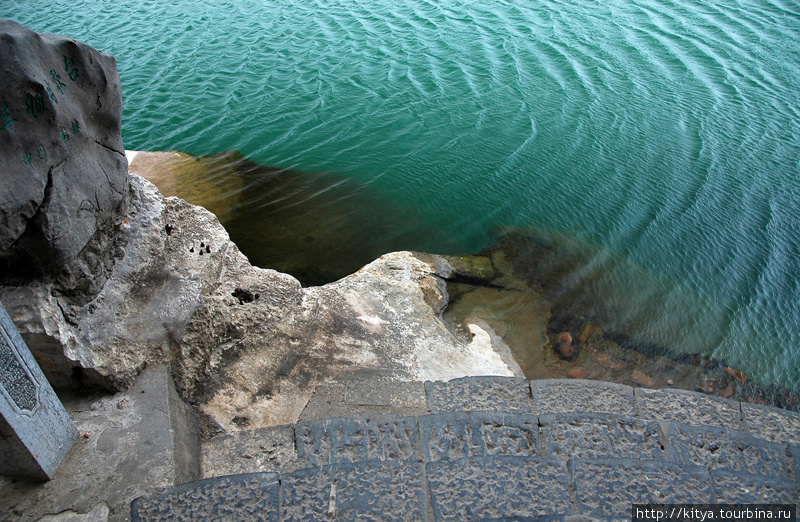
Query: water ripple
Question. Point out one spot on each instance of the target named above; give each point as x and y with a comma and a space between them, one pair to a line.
666, 130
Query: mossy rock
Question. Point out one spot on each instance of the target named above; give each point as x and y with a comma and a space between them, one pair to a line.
471, 268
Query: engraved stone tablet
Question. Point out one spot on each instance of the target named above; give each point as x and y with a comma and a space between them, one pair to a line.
35, 431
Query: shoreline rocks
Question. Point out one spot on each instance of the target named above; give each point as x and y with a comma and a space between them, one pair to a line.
103, 276
257, 360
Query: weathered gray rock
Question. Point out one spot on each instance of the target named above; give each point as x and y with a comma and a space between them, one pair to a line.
250, 451
136, 318
62, 164
766, 422
794, 455
356, 397
357, 439
250, 364
732, 487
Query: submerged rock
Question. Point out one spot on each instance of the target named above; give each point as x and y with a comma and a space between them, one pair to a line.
564, 347
317, 226
577, 373
736, 374
642, 379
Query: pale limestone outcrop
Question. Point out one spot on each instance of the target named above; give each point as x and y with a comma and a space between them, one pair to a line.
247, 361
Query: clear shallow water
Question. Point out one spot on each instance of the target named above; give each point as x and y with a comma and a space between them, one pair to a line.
660, 139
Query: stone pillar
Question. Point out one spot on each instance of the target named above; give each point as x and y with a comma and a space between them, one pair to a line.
35, 430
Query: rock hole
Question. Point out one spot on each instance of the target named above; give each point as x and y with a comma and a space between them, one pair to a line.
241, 422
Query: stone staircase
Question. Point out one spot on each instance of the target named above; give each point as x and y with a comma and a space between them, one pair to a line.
491, 448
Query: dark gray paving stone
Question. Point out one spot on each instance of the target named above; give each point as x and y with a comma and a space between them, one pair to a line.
498, 487
313, 442
366, 397
506, 394
608, 487
450, 436
252, 496
593, 435
773, 424
572, 396
716, 448
360, 438
693, 408
364, 491
265, 449
732, 487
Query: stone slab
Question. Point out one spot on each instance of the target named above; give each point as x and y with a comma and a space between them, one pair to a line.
608, 487
252, 496
575, 395
773, 424
365, 491
693, 408
498, 487
131, 444
506, 394
716, 448
592, 435
360, 438
261, 450
36, 432
731, 487
367, 397
450, 436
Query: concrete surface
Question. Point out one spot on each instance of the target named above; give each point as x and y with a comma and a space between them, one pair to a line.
130, 444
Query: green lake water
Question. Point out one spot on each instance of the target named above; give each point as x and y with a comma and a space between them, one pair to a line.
656, 141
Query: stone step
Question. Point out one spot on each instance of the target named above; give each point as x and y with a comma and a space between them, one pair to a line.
495, 448
366, 397
617, 421
474, 488
451, 436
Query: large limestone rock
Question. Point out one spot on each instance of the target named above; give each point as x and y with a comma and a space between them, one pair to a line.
63, 175
247, 344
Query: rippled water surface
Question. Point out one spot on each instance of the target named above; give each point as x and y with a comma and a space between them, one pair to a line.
661, 138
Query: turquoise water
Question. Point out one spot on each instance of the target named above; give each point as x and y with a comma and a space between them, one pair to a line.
661, 135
